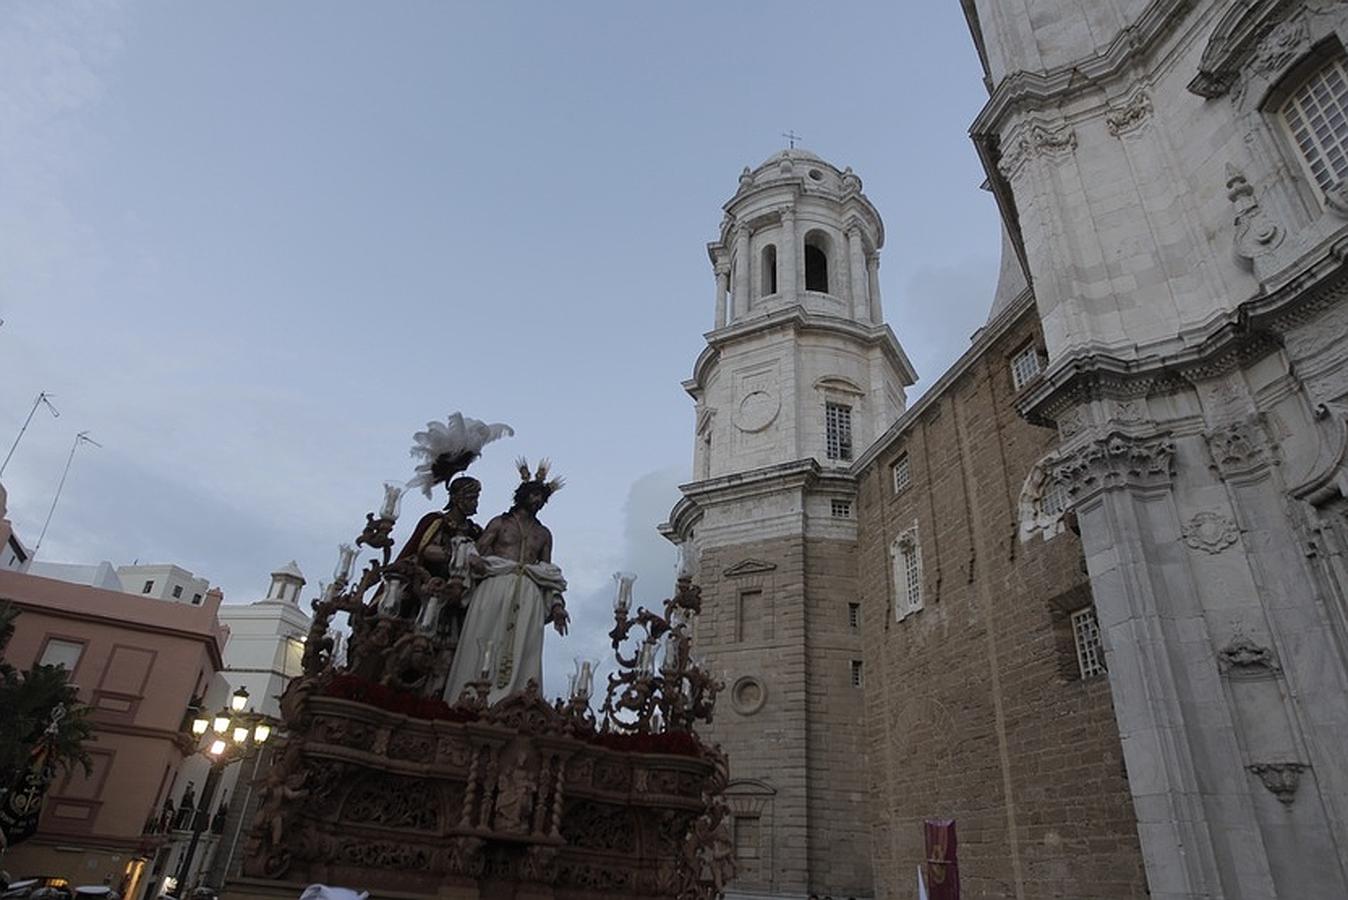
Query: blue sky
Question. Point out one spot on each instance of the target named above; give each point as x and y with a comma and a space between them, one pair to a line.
252, 247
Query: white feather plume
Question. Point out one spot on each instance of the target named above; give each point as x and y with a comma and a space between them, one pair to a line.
457, 436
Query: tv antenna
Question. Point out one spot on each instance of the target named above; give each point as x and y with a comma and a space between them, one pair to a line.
43, 399
81, 438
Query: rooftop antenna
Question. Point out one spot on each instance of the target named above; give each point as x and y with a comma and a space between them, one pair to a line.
42, 398
791, 137
81, 438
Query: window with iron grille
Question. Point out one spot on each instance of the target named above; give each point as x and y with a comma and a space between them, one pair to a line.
746, 836
856, 673
1054, 498
1024, 366
1316, 116
854, 615
842, 509
149, 586
903, 475
1090, 651
907, 560
177, 591
838, 430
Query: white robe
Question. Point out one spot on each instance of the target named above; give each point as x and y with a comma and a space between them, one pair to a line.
509, 605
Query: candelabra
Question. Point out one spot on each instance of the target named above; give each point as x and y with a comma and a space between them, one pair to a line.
660, 685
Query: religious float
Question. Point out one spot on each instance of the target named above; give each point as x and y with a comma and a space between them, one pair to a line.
424, 760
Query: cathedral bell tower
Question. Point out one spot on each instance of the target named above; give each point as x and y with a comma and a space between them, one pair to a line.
800, 374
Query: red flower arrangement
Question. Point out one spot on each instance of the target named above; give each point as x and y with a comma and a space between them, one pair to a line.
349, 687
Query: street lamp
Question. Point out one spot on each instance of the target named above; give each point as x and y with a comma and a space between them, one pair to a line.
235, 733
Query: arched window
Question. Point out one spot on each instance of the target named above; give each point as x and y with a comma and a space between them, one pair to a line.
816, 262
769, 283
1316, 116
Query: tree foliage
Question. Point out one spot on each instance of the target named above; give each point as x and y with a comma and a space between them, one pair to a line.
27, 700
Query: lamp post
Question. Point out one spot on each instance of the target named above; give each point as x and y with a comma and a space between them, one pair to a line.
228, 736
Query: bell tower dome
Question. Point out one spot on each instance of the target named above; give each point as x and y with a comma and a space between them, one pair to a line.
799, 363
799, 376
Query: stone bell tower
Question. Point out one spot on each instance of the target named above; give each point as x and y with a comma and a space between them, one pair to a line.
800, 374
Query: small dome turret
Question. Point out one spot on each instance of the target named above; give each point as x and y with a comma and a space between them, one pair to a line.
798, 232
286, 584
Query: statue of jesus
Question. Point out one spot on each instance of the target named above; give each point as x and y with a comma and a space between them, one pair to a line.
518, 593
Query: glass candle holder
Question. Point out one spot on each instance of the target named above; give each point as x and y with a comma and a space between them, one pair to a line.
622, 600
646, 659
390, 603
393, 501
346, 560
486, 659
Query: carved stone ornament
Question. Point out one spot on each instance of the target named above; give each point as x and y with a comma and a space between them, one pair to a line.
1243, 658
1280, 46
1239, 448
1116, 461
1255, 232
1282, 779
1038, 140
1130, 115
1210, 532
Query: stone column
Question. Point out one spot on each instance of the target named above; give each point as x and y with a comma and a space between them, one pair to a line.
787, 277
742, 269
722, 288
873, 282
856, 254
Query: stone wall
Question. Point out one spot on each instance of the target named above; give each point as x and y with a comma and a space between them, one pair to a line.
975, 706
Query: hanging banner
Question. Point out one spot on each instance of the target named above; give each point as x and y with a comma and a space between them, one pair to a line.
21, 803
942, 868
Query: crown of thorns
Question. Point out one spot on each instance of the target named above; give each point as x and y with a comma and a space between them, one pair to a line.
539, 476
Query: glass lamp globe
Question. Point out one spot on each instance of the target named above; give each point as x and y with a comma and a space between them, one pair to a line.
199, 725
261, 732
239, 700
221, 723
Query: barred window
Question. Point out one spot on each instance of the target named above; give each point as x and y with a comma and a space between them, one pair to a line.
746, 837
854, 615
1054, 499
903, 475
856, 673
149, 586
1316, 115
1090, 651
1024, 366
907, 560
842, 509
838, 430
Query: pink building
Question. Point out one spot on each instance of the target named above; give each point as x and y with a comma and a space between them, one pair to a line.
138, 663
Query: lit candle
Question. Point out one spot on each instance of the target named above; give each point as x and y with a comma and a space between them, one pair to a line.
393, 500
622, 601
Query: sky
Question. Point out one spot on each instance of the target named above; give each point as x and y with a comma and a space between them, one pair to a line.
252, 247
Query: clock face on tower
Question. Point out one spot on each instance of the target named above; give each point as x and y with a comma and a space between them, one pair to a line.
757, 410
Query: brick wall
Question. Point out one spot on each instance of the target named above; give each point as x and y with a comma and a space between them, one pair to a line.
975, 708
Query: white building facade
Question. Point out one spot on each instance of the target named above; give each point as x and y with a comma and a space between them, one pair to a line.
1172, 174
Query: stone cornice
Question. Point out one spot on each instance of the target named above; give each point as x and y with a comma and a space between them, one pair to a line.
984, 338
799, 320
1248, 332
798, 475
1045, 88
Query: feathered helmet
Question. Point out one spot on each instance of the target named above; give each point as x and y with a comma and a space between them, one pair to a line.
445, 450
539, 476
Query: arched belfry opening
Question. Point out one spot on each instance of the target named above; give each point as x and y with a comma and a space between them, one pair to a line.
768, 285
816, 261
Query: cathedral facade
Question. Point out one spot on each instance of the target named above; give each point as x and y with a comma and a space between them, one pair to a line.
1087, 595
